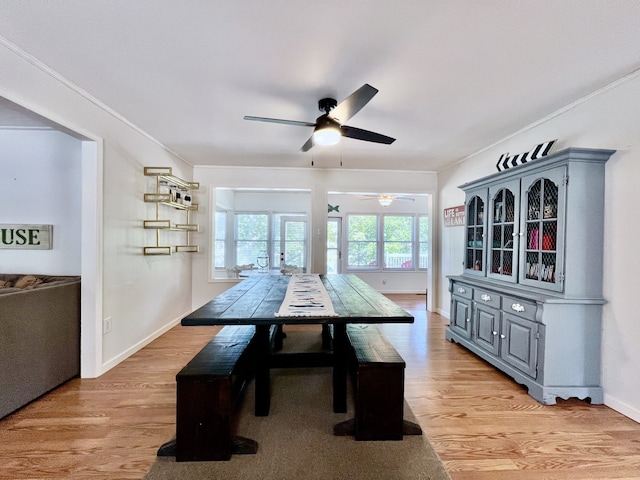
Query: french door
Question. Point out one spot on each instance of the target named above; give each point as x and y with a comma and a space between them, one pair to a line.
293, 241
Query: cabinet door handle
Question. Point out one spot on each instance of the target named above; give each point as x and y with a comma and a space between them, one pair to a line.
461, 290
485, 297
502, 336
495, 333
517, 307
468, 320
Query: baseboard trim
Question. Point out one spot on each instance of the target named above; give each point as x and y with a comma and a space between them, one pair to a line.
621, 407
109, 364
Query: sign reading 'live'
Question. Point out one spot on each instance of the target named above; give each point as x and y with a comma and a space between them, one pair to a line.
26, 237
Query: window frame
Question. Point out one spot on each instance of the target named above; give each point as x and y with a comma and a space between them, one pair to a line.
412, 243
231, 239
348, 241
416, 243
224, 240
419, 242
236, 240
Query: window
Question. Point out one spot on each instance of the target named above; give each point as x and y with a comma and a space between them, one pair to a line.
397, 245
241, 237
220, 241
423, 242
252, 236
362, 241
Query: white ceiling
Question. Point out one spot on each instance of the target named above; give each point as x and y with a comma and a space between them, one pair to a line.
454, 75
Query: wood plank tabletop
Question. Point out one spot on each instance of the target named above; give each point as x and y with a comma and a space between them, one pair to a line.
255, 300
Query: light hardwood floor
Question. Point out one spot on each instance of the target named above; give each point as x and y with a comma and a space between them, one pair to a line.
482, 424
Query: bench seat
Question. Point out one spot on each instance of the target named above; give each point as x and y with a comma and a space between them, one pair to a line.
378, 372
208, 387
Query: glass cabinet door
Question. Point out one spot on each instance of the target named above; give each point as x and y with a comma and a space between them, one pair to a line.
543, 212
475, 235
503, 231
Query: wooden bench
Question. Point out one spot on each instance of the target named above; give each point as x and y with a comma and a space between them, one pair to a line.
208, 387
378, 372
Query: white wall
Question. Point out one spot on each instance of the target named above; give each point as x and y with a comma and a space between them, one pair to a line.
609, 119
319, 182
144, 296
41, 184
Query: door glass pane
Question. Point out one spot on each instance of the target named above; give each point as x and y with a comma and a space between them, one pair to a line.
503, 245
475, 233
542, 231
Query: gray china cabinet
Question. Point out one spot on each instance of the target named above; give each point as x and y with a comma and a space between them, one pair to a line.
529, 300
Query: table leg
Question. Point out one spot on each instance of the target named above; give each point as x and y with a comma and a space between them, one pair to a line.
340, 368
279, 338
326, 337
263, 384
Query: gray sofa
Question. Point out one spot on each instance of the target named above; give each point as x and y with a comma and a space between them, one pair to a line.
39, 336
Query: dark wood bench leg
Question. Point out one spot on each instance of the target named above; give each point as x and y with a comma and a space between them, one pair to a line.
379, 388
203, 423
263, 383
340, 355
379, 407
379, 403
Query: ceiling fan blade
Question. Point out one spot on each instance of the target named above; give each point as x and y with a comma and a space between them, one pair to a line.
366, 135
278, 120
353, 103
405, 199
307, 146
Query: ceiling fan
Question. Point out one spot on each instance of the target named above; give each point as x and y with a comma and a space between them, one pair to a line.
329, 127
386, 199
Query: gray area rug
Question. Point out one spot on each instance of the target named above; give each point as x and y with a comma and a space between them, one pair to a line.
296, 440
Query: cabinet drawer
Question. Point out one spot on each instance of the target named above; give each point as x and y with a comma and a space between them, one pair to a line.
462, 290
519, 307
491, 299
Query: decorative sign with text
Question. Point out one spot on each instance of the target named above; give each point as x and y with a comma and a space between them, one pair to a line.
26, 237
454, 216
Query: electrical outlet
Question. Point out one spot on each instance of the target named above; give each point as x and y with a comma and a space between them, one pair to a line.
106, 325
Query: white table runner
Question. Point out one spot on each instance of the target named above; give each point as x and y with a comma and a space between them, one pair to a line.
306, 297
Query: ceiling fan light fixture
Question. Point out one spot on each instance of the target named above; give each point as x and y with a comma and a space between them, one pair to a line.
326, 136
329, 127
385, 200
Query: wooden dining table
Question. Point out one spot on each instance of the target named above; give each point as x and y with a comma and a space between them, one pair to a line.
255, 301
